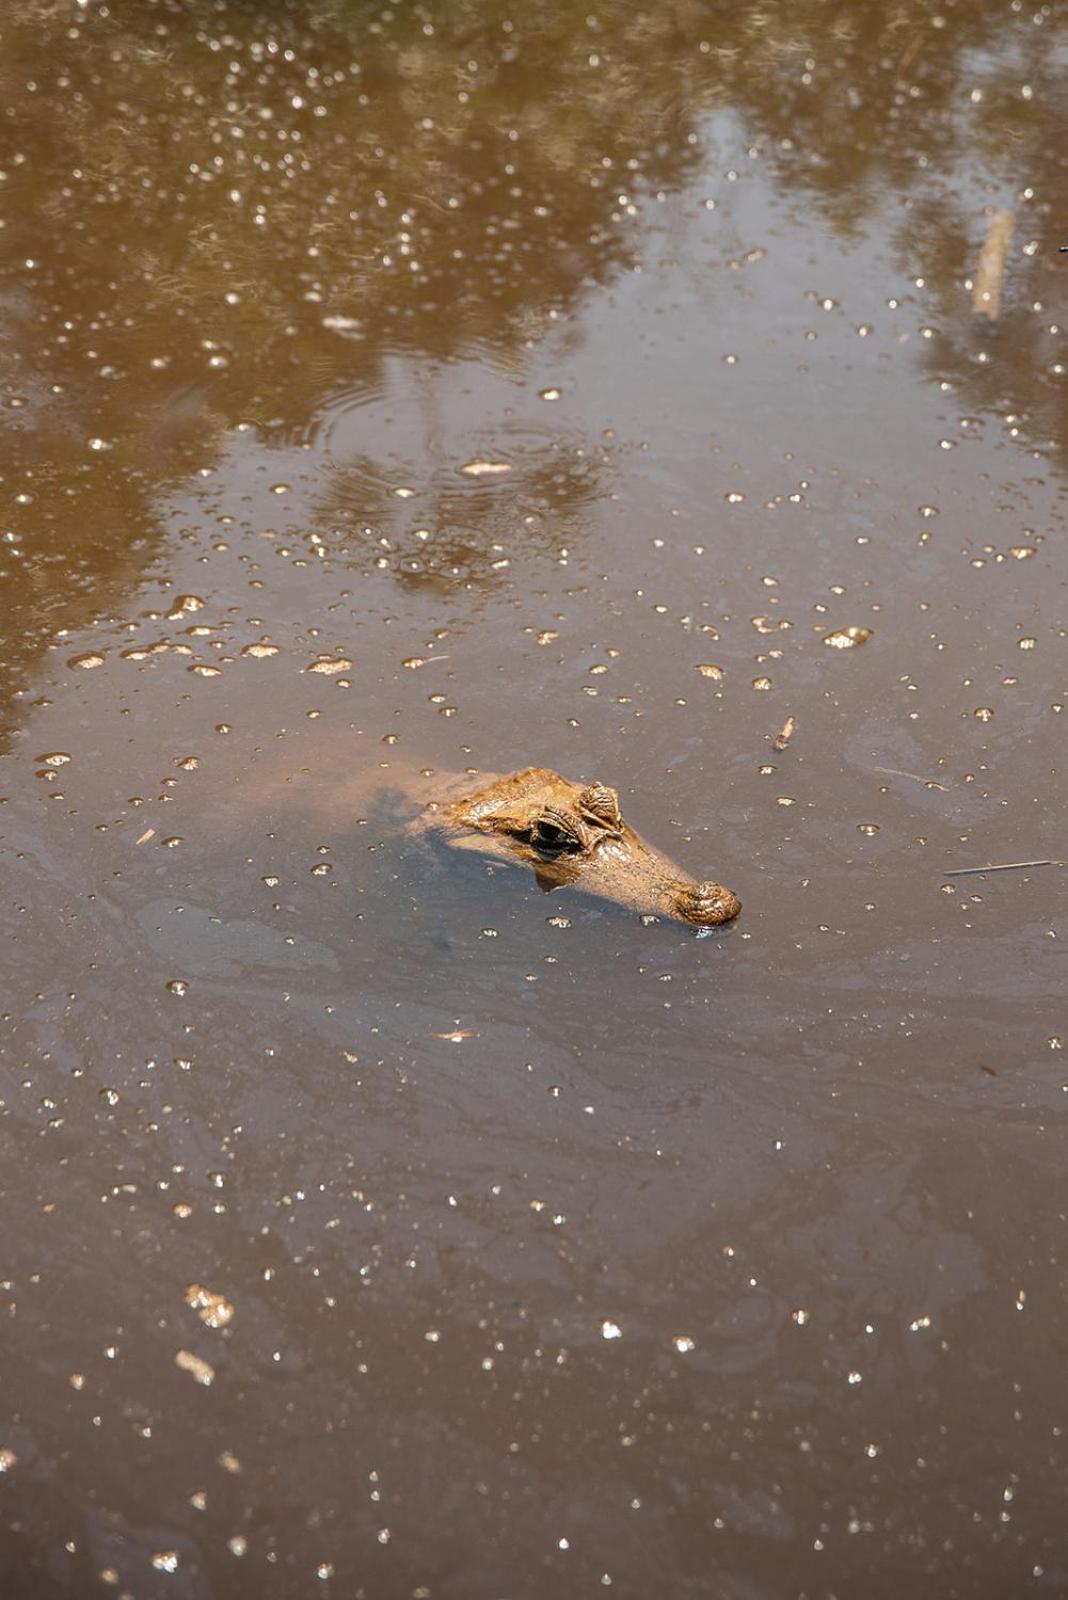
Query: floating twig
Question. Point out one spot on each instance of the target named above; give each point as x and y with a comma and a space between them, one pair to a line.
896, 772
1002, 866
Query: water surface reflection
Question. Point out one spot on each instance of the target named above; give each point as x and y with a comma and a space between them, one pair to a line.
452, 386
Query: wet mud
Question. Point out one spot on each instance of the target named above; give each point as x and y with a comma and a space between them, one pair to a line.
674, 396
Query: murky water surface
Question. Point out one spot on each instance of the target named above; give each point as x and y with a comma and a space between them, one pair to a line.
471, 386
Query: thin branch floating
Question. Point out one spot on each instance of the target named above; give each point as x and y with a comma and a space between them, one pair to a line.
1002, 866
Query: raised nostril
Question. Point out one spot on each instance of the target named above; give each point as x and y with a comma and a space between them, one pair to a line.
707, 903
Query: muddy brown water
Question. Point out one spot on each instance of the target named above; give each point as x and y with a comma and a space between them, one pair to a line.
558, 1254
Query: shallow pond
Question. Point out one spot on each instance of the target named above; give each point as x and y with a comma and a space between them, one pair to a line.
466, 387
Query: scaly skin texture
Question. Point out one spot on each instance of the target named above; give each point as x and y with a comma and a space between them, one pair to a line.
572, 833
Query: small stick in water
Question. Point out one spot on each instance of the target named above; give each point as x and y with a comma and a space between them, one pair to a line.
782, 738
1002, 866
986, 290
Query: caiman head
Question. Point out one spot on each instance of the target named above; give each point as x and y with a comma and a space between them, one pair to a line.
573, 833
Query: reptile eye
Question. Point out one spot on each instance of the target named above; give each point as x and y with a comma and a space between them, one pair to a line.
552, 836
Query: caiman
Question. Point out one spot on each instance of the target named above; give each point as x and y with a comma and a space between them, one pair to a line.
565, 833
570, 833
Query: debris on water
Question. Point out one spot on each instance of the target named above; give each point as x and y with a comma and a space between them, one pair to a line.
784, 735
1001, 866
762, 684
485, 469
330, 666
213, 1309
990, 273
683, 1343
611, 1330
709, 669
202, 1371
87, 661
184, 604
457, 1036
8, 1459
166, 1560
260, 652
847, 638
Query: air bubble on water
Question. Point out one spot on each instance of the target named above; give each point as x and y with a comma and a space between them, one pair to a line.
983, 713
8, 1459
683, 1343
172, 841
187, 763
1026, 644
321, 869
762, 684
550, 394
87, 661
271, 881
206, 672
279, 488
237, 1545
868, 827
734, 497
260, 652
177, 986
709, 669
611, 1330
56, 758
1022, 552
485, 469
